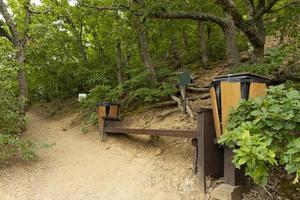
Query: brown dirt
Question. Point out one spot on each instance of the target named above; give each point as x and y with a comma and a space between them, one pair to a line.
78, 166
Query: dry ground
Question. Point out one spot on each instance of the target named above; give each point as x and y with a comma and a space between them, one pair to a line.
77, 166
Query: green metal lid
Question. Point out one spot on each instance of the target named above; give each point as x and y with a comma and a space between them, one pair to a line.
242, 77
107, 104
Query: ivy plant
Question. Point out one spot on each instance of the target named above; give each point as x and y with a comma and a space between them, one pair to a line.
261, 133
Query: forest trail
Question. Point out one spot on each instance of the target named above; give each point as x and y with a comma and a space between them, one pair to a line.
78, 166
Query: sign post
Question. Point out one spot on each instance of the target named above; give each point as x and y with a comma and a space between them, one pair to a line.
184, 79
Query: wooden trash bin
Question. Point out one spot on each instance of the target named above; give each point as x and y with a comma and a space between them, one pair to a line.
107, 110
226, 91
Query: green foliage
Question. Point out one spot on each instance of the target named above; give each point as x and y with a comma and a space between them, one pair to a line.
11, 122
12, 146
11, 126
273, 60
291, 158
154, 94
261, 133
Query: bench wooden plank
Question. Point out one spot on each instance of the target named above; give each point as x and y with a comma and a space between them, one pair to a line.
155, 132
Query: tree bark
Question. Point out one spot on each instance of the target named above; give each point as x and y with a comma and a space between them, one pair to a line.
189, 15
81, 47
258, 54
185, 39
203, 44
232, 52
254, 27
20, 58
176, 54
142, 32
78, 38
119, 62
19, 45
259, 50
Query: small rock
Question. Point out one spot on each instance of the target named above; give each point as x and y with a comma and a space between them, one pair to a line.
158, 152
64, 129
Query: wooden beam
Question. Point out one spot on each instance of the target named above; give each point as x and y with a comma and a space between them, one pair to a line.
155, 132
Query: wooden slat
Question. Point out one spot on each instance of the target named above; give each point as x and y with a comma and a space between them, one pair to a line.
230, 97
113, 111
101, 114
214, 103
257, 90
155, 132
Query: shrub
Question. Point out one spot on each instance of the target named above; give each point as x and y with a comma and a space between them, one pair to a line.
138, 89
11, 125
12, 146
11, 122
272, 62
260, 133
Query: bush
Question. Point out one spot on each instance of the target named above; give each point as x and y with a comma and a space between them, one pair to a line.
12, 146
272, 62
11, 122
11, 125
260, 133
138, 89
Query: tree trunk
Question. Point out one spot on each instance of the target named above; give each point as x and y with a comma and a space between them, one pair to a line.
119, 62
258, 54
144, 49
259, 49
185, 39
20, 58
176, 54
80, 44
232, 52
127, 56
78, 37
203, 44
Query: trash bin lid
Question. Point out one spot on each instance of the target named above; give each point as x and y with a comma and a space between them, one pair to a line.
107, 104
242, 77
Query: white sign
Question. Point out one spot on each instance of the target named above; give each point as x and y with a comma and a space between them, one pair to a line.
81, 97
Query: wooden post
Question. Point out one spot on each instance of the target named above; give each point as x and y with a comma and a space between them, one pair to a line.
183, 88
210, 155
232, 176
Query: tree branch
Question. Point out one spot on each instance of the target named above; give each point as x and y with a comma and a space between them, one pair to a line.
251, 33
166, 14
263, 10
27, 21
4, 33
10, 23
40, 12
251, 7
284, 6
103, 8
188, 15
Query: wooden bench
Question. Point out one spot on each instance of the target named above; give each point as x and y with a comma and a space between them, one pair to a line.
208, 156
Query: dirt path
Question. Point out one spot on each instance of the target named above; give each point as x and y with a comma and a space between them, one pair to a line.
79, 167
